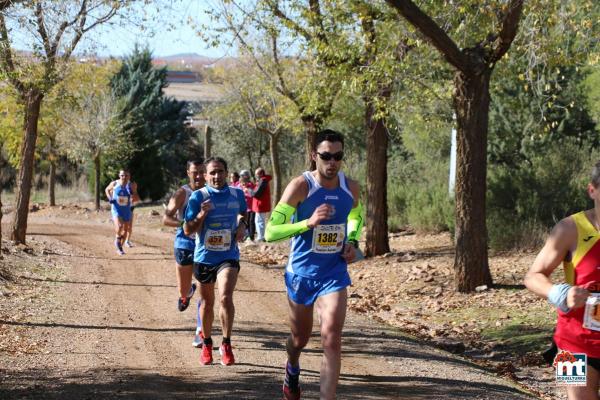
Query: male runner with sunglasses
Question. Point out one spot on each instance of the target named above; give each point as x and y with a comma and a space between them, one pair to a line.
321, 212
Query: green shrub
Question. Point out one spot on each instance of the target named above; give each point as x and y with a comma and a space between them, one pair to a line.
525, 201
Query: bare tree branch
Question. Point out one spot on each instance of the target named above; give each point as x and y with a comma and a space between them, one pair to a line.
41, 28
6, 57
284, 90
315, 9
510, 25
432, 31
288, 22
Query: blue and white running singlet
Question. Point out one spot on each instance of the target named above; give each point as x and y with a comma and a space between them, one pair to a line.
316, 253
181, 240
121, 207
216, 242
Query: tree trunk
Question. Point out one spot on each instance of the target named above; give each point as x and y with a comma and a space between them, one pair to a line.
310, 135
207, 141
274, 150
97, 180
377, 209
1, 215
52, 182
33, 100
471, 103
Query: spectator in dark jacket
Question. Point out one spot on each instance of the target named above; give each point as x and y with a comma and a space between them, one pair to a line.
261, 202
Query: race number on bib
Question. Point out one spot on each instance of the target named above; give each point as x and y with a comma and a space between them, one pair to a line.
328, 239
217, 240
122, 200
591, 315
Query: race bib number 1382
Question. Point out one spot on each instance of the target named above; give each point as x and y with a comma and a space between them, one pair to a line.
328, 239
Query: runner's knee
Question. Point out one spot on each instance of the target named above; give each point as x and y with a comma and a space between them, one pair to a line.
331, 341
226, 299
297, 341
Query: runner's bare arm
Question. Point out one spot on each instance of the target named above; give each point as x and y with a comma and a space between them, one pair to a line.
195, 224
562, 239
109, 191
280, 227
242, 225
175, 202
135, 197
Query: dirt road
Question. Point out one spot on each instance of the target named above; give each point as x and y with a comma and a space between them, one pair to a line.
110, 329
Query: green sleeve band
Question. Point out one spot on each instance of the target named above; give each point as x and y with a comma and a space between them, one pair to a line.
279, 226
355, 222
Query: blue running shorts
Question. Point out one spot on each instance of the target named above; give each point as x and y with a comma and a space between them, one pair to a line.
184, 256
305, 291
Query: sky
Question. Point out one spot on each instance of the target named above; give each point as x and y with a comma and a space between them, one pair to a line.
167, 31
170, 33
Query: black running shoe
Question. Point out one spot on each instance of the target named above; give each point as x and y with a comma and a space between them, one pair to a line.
184, 302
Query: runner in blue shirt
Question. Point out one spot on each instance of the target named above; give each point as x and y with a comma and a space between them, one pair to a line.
320, 211
216, 213
121, 194
184, 245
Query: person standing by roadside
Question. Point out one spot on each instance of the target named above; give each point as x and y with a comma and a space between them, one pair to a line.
575, 242
121, 194
321, 212
234, 179
216, 213
248, 187
184, 245
261, 203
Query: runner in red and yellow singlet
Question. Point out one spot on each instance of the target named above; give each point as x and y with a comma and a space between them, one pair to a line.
575, 242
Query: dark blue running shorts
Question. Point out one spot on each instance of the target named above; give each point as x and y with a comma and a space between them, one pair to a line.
206, 273
184, 256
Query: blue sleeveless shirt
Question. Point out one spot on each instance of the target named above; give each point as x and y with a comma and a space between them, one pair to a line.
316, 253
122, 205
216, 242
181, 240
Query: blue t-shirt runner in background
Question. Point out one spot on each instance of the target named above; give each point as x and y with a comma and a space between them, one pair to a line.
215, 242
181, 240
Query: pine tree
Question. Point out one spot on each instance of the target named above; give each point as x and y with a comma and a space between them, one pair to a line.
154, 122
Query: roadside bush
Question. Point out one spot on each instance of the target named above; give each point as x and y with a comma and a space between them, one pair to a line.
419, 198
524, 202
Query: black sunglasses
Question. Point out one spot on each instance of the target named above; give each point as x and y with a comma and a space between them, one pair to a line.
326, 156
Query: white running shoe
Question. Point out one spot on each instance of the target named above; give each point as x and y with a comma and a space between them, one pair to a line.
198, 339
128, 244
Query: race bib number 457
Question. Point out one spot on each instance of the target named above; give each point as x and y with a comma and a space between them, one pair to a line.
328, 239
217, 240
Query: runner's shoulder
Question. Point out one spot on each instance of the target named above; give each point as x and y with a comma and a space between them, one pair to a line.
565, 230
353, 185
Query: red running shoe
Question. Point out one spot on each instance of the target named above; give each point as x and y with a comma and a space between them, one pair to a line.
291, 386
288, 394
206, 354
226, 354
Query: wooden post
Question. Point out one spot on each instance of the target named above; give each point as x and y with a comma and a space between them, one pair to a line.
207, 141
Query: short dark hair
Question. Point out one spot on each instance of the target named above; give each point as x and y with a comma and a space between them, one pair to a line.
328, 135
216, 159
194, 162
596, 175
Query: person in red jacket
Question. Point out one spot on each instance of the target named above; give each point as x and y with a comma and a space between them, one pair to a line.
261, 202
